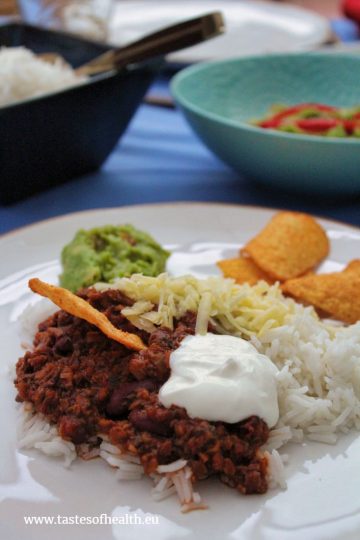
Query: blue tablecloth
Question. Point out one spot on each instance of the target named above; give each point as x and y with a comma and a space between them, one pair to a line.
159, 159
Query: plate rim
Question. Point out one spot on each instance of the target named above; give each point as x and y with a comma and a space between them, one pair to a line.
38, 223
196, 530
295, 10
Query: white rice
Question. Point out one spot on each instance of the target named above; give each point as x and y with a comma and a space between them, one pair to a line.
34, 431
172, 467
30, 319
318, 379
163, 489
276, 471
23, 75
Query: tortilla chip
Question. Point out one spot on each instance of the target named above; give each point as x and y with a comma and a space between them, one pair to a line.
291, 244
243, 270
353, 266
336, 294
78, 307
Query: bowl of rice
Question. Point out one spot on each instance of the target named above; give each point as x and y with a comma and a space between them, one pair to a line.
68, 124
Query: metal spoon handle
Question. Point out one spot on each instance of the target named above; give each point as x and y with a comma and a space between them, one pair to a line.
170, 39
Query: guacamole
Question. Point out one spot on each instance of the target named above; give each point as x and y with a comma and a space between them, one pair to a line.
105, 253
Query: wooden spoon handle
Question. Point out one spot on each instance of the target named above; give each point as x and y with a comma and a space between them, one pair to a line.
170, 39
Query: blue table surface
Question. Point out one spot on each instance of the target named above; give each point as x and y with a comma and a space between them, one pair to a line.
159, 159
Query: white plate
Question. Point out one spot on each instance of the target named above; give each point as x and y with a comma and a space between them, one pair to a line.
322, 500
252, 27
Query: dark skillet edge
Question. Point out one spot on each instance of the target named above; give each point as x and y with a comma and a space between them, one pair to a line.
69, 133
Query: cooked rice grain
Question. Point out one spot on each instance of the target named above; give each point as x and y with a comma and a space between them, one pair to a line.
23, 75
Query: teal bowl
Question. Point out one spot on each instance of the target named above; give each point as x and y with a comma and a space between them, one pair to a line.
220, 99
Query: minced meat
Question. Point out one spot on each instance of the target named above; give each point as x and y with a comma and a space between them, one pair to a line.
88, 385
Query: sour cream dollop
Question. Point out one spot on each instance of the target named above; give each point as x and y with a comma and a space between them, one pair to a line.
221, 378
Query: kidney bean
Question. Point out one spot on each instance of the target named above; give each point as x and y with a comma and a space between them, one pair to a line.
119, 399
64, 345
141, 421
73, 429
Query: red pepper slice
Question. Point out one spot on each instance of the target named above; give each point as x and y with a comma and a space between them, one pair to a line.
275, 121
317, 125
351, 125
298, 108
270, 123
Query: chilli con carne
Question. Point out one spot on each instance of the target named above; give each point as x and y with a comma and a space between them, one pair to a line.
88, 385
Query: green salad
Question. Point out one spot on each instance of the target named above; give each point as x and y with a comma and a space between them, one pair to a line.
313, 119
